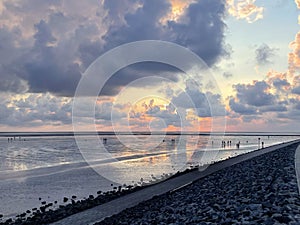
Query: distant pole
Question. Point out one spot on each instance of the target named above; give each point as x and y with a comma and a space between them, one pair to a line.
258, 143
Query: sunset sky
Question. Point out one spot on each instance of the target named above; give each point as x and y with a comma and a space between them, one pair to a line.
252, 48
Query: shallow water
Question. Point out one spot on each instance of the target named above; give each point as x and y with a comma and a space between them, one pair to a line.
51, 167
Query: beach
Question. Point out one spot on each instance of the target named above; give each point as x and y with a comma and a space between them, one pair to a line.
28, 167
262, 190
213, 186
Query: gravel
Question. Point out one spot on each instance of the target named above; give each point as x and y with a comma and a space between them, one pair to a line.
262, 190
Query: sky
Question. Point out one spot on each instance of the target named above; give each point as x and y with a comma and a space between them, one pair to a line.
250, 48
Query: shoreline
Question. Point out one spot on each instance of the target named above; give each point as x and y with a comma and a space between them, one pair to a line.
90, 203
262, 190
142, 133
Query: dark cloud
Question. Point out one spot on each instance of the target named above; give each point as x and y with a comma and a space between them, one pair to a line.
106, 111
116, 11
202, 34
204, 31
205, 104
241, 108
264, 54
255, 94
201, 29
227, 75
279, 83
43, 35
249, 118
297, 106
293, 114
274, 108
44, 55
137, 71
143, 24
88, 51
49, 50
5, 114
44, 67
256, 99
10, 82
296, 90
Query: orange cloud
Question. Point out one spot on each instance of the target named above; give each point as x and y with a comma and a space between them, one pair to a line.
280, 82
296, 81
245, 9
294, 56
178, 9
297, 3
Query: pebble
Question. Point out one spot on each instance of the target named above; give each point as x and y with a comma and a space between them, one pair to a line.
262, 190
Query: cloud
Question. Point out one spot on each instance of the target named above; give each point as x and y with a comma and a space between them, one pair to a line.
203, 32
296, 90
274, 108
297, 3
35, 110
159, 117
241, 108
259, 98
245, 9
264, 53
139, 25
44, 54
250, 119
255, 94
279, 108
205, 104
278, 83
227, 75
47, 45
9, 80
294, 56
107, 111
293, 114
138, 71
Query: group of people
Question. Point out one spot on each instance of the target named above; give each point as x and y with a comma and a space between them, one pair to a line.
10, 139
228, 144
224, 143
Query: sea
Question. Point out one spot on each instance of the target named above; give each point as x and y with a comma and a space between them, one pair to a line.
37, 167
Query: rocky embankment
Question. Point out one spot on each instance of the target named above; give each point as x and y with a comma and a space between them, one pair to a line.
262, 190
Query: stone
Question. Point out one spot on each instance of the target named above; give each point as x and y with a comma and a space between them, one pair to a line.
281, 219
